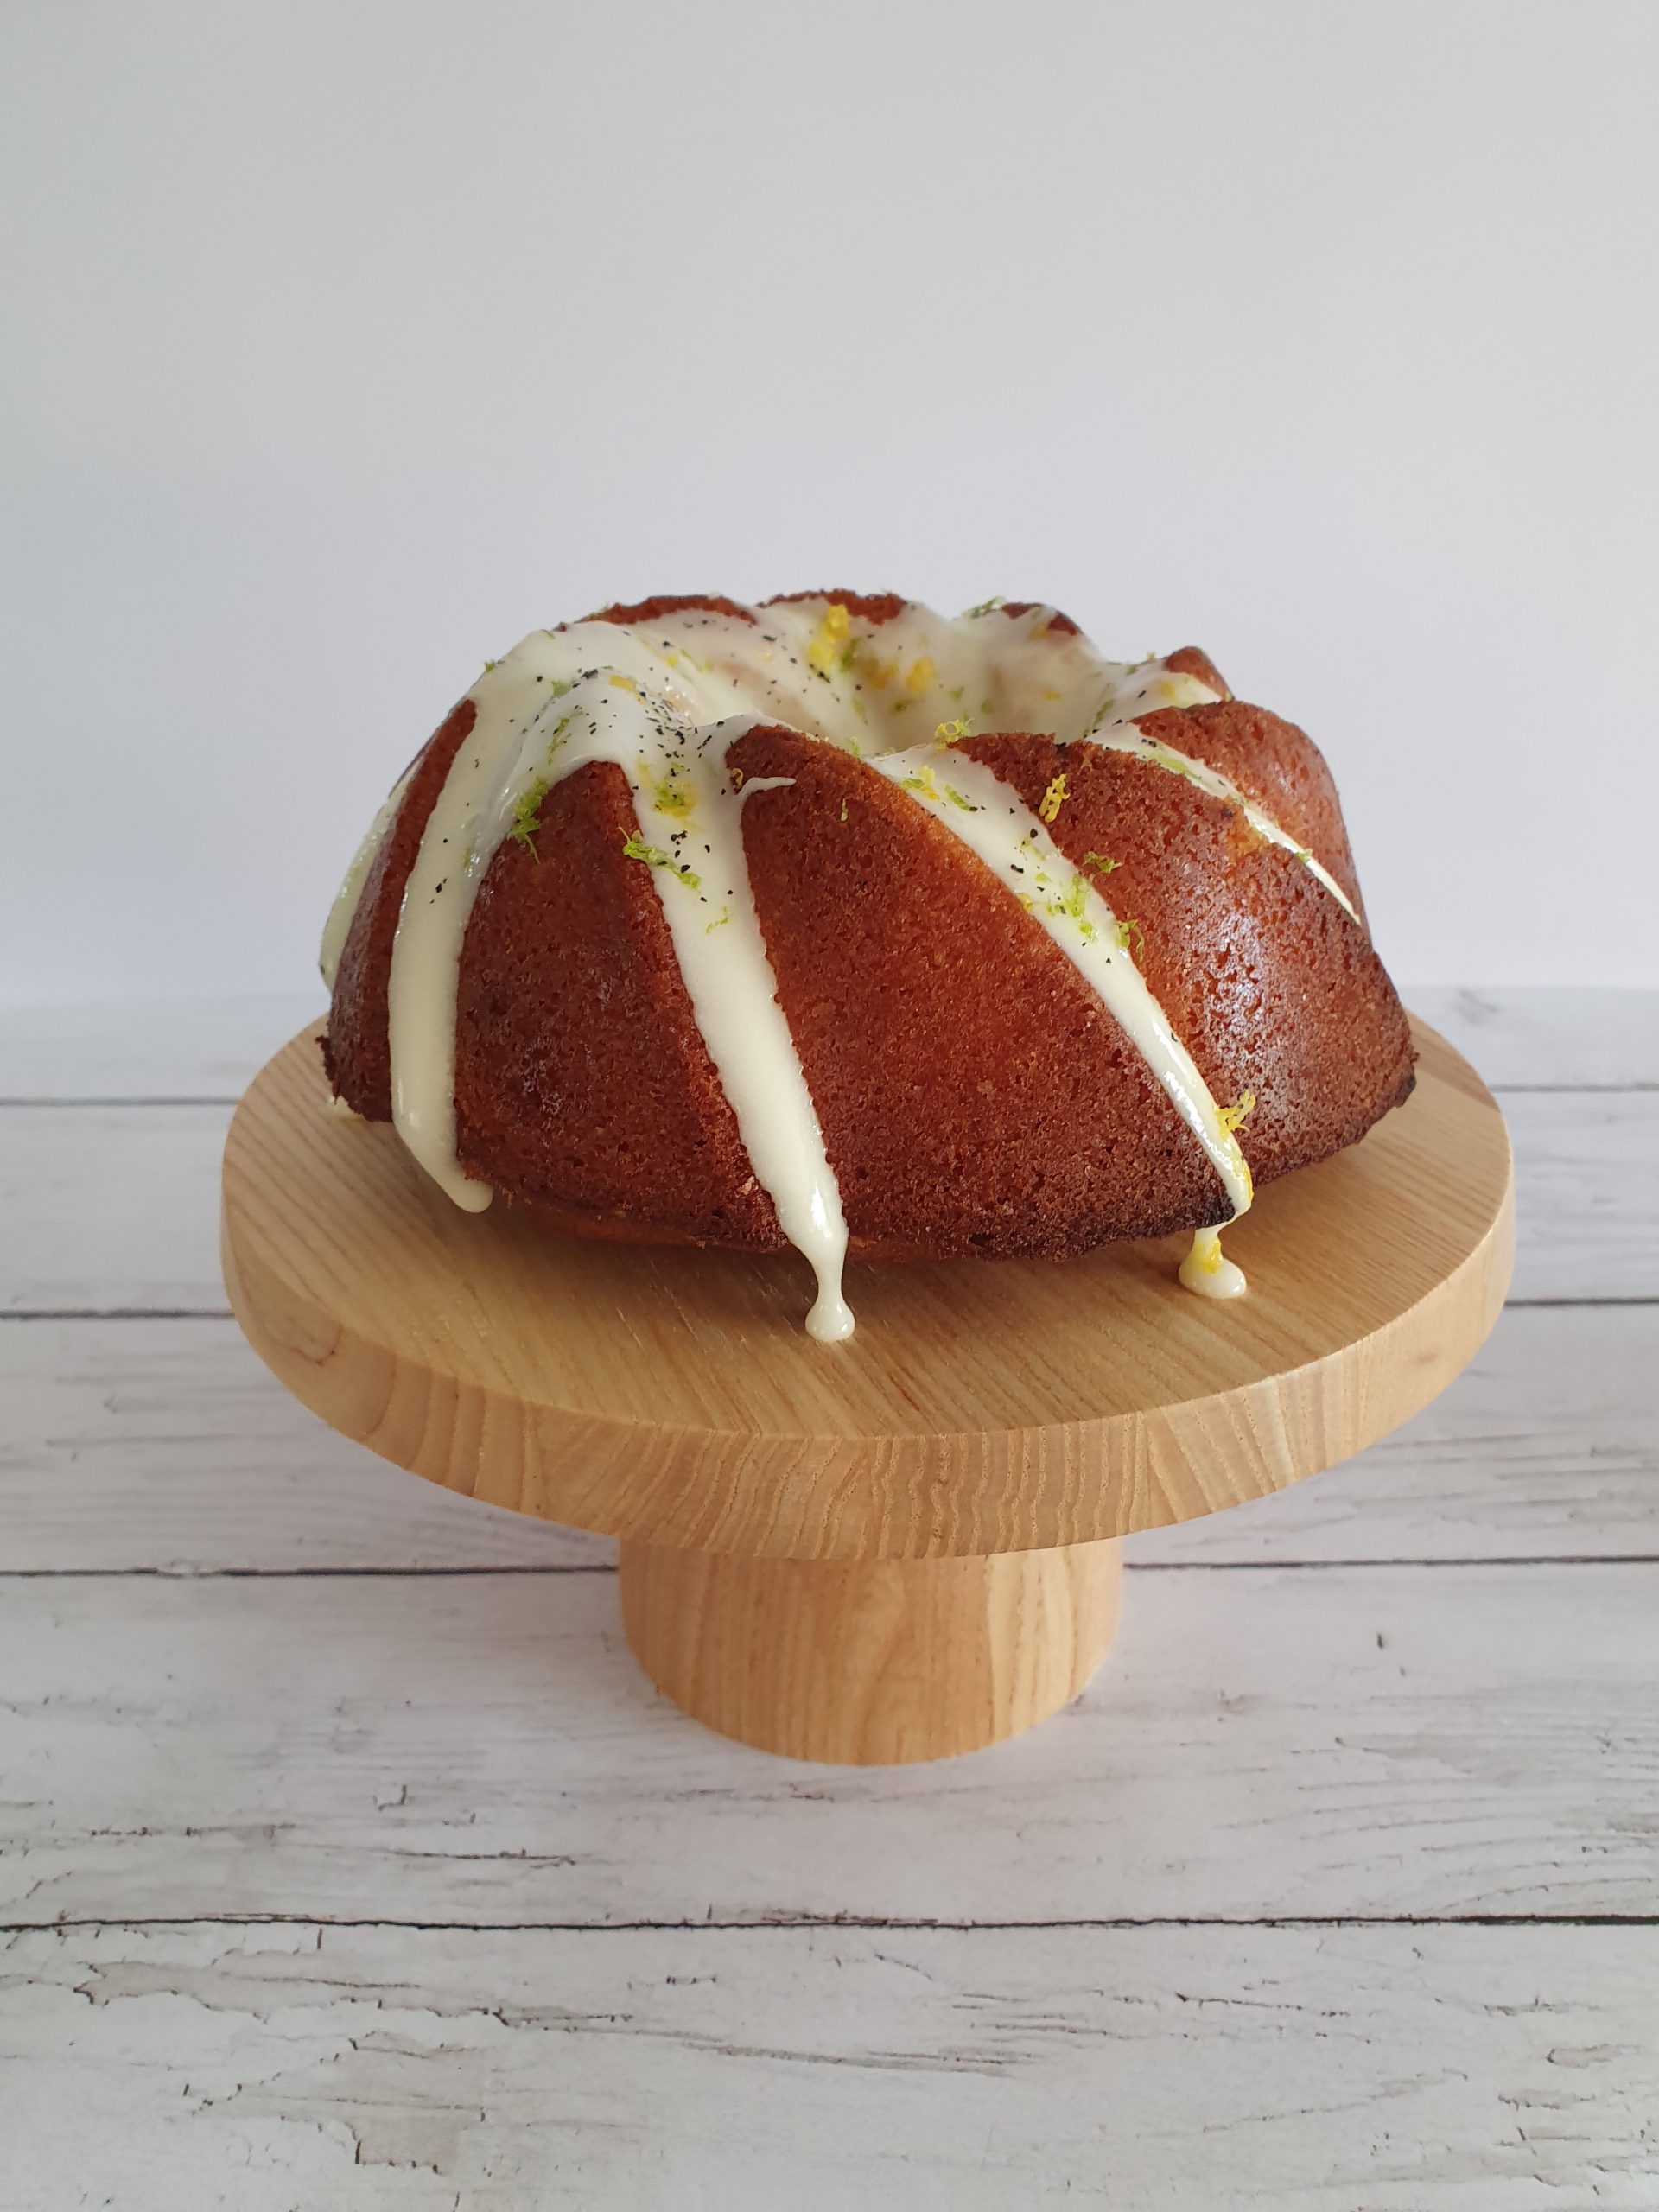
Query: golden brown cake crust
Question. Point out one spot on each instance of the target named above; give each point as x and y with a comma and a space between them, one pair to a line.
1274, 990
653, 610
1188, 660
873, 607
583, 1083
975, 1096
1272, 763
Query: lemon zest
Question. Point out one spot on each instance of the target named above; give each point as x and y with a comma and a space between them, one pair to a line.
672, 793
828, 645
1206, 1254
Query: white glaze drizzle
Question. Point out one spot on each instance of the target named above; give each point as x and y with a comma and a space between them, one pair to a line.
733, 994
534, 727
664, 700
1053, 682
338, 927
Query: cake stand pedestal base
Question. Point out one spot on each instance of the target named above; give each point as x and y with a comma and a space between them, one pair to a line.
871, 1663
905, 1545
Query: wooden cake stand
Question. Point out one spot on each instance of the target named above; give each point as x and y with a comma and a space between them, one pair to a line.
901, 1547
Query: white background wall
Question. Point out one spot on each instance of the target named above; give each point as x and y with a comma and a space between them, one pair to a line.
348, 341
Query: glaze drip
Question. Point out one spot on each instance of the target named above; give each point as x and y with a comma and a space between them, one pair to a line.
338, 927
1207, 1270
663, 700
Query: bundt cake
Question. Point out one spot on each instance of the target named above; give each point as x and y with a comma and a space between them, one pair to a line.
831, 923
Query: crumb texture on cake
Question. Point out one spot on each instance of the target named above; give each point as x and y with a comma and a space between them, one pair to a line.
831, 922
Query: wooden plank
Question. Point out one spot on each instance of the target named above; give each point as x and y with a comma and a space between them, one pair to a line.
168, 1448
109, 1207
1146, 2069
1586, 1197
1545, 1447
1261, 1743
180, 1048
189, 1048
1609, 1039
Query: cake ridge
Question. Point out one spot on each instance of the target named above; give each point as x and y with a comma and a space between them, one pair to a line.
664, 701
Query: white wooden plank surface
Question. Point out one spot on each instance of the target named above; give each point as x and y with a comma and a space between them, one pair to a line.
1545, 1447
182, 1048
110, 1208
1326, 1742
1586, 1195
173, 2069
1607, 1040
192, 1048
117, 1207
165, 1447
1261, 1743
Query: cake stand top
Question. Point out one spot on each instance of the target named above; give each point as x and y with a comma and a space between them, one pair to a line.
672, 1397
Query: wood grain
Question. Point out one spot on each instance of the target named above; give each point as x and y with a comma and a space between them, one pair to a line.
1142, 2069
668, 1398
1545, 1447
1263, 1743
671, 1398
869, 1663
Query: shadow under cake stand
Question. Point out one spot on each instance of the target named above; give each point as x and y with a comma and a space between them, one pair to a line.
907, 1545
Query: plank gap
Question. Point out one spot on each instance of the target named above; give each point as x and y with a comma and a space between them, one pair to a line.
223, 1312
608, 1566
193, 1098
798, 1924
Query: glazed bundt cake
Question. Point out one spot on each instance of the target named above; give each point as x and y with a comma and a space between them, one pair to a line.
831, 923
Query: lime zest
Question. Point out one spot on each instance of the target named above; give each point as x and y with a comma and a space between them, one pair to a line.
525, 809
636, 848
